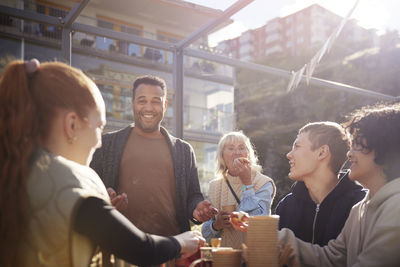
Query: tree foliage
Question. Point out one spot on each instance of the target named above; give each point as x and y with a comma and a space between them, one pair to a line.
270, 116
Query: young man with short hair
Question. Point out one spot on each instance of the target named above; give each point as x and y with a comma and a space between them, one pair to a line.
322, 197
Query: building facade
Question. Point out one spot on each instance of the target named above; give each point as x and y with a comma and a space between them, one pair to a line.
306, 28
114, 64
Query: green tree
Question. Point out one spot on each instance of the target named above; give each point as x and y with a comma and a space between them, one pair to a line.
271, 117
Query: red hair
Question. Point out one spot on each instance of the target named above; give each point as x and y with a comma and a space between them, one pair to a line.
28, 106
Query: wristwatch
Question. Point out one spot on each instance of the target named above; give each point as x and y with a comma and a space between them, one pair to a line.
247, 187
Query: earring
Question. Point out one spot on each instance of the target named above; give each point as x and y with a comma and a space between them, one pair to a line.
72, 140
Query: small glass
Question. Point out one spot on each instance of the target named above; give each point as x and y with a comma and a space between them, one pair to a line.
215, 242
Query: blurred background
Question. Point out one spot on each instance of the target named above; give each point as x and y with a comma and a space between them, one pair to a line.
111, 41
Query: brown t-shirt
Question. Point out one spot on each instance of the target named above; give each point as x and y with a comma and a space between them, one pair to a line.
147, 177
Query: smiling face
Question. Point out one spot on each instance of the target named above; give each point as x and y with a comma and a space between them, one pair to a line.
363, 164
232, 151
302, 159
148, 106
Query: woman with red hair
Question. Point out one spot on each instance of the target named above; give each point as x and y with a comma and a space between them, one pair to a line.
54, 209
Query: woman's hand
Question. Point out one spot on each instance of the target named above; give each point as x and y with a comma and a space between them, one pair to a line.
221, 220
239, 224
190, 241
242, 168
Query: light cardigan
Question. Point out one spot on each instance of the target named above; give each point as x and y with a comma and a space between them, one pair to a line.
220, 195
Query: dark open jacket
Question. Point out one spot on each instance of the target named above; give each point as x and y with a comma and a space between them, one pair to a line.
106, 162
297, 210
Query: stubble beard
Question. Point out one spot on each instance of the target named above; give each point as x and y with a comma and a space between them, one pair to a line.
150, 129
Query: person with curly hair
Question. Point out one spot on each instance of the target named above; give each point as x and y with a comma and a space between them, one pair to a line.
54, 209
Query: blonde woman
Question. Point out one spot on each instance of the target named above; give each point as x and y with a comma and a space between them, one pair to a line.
239, 186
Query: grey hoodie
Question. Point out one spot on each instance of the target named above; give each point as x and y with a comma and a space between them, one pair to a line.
370, 236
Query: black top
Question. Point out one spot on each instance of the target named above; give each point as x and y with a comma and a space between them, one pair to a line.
109, 229
297, 210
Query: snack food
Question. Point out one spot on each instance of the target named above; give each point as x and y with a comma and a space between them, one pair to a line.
240, 216
242, 160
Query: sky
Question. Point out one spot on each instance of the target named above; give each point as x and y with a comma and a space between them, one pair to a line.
377, 14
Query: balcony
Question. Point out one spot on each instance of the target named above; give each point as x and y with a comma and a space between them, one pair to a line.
101, 45
274, 37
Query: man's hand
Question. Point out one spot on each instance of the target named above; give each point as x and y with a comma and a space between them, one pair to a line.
204, 211
120, 202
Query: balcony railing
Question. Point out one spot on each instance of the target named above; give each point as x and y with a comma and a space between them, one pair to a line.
107, 45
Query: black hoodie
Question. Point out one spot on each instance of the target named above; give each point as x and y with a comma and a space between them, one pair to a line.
298, 211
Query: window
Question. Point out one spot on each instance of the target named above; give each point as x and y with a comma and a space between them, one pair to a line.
300, 40
167, 56
50, 9
117, 99
122, 47
300, 27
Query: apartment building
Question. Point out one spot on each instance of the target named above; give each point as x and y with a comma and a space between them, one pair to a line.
306, 28
114, 64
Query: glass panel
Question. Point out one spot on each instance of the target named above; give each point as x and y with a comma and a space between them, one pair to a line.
115, 82
50, 31
41, 8
10, 50
42, 53
206, 162
107, 93
208, 106
134, 50
56, 12
104, 43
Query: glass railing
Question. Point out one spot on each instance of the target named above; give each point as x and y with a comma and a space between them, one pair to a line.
207, 120
118, 105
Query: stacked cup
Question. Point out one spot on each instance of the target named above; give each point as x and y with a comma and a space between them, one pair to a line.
262, 241
226, 257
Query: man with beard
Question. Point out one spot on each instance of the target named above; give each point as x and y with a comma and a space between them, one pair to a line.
153, 171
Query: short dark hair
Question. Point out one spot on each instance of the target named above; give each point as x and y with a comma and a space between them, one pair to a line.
334, 136
149, 79
377, 128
